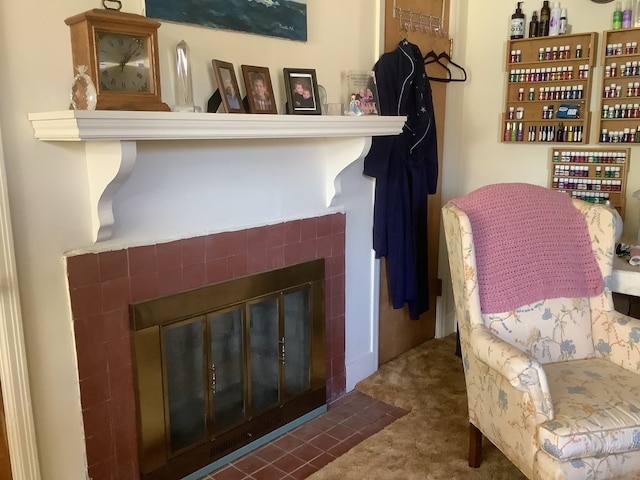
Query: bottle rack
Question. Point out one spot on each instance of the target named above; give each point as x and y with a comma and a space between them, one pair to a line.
620, 96
593, 175
544, 73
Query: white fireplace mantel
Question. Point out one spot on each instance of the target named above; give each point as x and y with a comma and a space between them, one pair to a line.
111, 140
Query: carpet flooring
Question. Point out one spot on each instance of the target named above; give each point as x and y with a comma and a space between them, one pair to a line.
431, 441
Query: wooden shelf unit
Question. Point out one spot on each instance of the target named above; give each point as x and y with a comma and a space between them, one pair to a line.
619, 115
592, 174
527, 74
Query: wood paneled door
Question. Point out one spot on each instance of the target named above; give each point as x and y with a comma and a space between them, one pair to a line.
417, 22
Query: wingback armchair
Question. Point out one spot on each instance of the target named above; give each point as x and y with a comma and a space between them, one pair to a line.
553, 382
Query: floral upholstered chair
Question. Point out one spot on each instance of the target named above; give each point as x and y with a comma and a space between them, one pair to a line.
552, 370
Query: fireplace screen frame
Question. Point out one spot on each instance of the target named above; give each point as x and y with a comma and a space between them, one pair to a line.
149, 319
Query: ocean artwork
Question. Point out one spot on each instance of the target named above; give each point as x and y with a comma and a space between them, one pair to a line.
273, 18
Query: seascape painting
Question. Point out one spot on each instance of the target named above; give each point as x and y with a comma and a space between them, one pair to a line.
274, 18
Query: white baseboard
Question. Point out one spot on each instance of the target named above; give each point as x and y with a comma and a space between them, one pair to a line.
361, 368
445, 322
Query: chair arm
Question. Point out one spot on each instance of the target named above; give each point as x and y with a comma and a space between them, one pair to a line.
522, 371
616, 337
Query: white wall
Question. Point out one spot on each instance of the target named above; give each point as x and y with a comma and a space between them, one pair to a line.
48, 186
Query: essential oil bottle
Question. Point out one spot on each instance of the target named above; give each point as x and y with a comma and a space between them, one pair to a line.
517, 23
545, 15
534, 25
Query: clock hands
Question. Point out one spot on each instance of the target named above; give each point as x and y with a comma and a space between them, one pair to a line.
127, 56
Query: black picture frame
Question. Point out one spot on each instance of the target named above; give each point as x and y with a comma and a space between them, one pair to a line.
227, 86
301, 86
252, 76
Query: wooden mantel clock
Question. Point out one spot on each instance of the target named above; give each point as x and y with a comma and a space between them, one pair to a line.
120, 51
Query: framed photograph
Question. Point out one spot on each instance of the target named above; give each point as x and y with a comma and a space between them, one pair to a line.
301, 86
257, 82
363, 93
228, 86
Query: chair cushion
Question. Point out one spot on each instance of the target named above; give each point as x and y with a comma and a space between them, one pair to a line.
597, 410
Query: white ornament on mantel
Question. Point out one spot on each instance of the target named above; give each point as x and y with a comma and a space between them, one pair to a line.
111, 141
184, 81
83, 91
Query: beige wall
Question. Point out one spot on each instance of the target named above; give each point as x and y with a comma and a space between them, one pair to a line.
474, 155
48, 187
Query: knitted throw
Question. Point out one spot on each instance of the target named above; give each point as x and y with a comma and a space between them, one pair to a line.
531, 243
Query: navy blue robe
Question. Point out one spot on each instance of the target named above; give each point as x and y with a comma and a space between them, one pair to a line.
405, 167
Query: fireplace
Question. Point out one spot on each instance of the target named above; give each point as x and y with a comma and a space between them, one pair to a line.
220, 366
102, 286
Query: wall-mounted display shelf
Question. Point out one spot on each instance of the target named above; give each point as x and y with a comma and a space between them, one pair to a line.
547, 76
592, 174
620, 95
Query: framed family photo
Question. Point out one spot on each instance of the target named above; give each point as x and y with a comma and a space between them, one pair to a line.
257, 82
228, 86
301, 86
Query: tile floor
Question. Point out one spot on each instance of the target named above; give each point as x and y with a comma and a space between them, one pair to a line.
309, 447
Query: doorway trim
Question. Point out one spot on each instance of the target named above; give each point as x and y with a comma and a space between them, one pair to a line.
14, 377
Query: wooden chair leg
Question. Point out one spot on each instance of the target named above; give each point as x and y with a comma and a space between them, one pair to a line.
475, 446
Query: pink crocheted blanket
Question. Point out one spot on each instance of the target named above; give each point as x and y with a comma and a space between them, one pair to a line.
531, 243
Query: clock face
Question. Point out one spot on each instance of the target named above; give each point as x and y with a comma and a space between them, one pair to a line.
123, 62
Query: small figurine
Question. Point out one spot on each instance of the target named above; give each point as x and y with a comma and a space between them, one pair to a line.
354, 108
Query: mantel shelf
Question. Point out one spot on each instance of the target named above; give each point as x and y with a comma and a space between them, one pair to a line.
103, 125
111, 140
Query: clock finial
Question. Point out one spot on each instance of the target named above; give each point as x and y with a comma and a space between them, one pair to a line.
117, 2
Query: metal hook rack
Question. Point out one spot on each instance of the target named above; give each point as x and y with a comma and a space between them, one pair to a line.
419, 21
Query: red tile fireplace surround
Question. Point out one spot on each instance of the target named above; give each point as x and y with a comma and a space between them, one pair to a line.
103, 284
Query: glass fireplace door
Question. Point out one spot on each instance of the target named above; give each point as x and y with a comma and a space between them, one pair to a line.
297, 342
226, 369
220, 366
184, 374
264, 354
